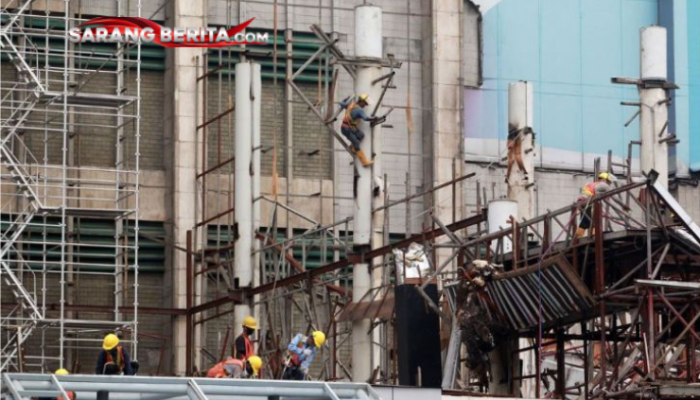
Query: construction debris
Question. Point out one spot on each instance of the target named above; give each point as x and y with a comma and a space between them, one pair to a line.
480, 331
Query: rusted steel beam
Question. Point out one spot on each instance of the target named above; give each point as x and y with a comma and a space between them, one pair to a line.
366, 256
677, 314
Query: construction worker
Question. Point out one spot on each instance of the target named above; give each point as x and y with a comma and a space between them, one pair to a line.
243, 348
113, 359
301, 352
236, 369
350, 128
71, 394
515, 151
588, 192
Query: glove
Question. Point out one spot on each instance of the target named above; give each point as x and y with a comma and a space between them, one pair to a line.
307, 352
304, 370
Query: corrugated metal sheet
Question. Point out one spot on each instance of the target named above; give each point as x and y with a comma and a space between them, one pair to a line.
553, 291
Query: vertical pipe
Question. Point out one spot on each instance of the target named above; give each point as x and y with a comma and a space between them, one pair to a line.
600, 284
654, 109
520, 119
243, 202
256, 87
561, 368
189, 302
64, 187
289, 122
137, 203
368, 45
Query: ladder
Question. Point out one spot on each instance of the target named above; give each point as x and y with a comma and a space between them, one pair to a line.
23, 319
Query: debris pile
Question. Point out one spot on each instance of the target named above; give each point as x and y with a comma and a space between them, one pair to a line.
480, 332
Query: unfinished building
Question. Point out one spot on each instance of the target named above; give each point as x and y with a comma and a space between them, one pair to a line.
166, 194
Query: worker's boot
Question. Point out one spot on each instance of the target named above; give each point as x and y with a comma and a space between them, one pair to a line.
580, 232
363, 158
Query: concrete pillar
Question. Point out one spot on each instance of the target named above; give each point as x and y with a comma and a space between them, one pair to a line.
245, 184
654, 110
521, 190
368, 45
520, 117
443, 105
182, 106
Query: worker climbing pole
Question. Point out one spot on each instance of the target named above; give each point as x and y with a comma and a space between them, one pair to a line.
350, 128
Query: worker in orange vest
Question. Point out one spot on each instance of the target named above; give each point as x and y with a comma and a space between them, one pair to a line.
114, 359
350, 128
588, 192
236, 369
243, 347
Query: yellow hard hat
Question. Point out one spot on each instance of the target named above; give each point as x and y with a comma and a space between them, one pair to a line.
111, 341
319, 338
250, 322
61, 371
604, 175
255, 363
363, 97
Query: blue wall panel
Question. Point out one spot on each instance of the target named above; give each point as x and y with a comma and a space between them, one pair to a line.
569, 49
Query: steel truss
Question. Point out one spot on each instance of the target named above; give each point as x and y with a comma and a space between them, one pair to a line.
642, 265
49, 100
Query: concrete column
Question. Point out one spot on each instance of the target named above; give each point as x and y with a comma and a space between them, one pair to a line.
520, 117
443, 100
246, 113
654, 110
521, 190
181, 144
368, 45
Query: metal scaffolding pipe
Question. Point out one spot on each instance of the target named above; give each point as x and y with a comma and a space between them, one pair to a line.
256, 87
368, 45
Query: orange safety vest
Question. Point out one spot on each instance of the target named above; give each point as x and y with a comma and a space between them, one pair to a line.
589, 189
71, 396
348, 120
120, 358
248, 348
218, 371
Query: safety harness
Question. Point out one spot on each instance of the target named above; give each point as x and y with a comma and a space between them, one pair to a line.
348, 121
120, 358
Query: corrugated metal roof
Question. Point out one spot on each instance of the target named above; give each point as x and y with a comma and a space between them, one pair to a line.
554, 290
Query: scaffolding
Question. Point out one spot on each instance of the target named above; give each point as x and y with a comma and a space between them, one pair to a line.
59, 103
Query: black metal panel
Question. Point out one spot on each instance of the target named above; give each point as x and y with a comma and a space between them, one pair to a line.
418, 335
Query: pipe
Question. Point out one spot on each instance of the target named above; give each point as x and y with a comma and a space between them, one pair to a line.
654, 109
243, 203
368, 46
520, 118
256, 88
